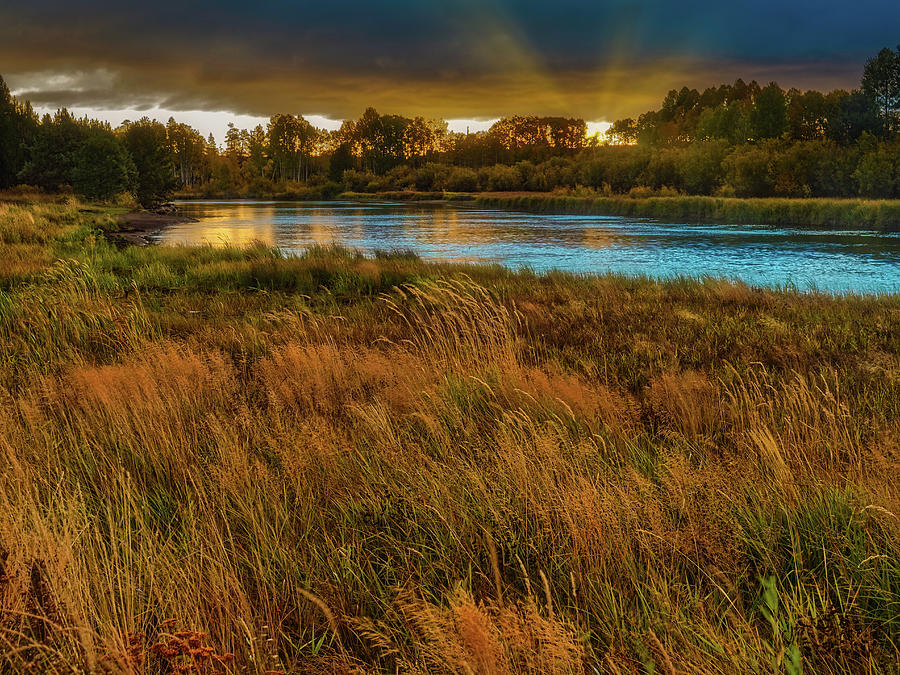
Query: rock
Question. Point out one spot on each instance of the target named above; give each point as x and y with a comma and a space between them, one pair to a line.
167, 209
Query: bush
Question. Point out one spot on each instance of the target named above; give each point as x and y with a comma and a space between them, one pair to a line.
431, 177
748, 170
358, 181
499, 178
700, 167
877, 174
462, 180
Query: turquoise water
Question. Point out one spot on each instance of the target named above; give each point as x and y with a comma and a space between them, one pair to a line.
856, 261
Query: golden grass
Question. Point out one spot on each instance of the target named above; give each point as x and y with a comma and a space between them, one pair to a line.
400, 467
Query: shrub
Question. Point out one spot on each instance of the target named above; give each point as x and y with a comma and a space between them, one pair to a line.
500, 178
462, 180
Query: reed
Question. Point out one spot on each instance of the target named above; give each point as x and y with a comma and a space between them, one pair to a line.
230, 460
847, 214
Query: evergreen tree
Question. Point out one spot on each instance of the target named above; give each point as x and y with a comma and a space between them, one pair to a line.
881, 83
148, 146
103, 168
53, 153
17, 129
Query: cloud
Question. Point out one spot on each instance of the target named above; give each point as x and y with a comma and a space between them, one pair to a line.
453, 58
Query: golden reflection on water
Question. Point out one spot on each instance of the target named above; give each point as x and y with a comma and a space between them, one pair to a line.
447, 229
238, 225
236, 236
597, 239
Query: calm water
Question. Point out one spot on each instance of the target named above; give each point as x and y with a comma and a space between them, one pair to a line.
863, 262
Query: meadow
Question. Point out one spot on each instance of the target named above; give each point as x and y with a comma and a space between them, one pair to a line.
227, 460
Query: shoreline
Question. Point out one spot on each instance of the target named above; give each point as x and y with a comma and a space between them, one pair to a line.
812, 213
136, 228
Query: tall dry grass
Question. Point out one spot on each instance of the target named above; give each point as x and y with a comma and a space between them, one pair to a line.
853, 214
335, 464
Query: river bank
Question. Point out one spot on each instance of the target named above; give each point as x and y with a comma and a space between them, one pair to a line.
837, 214
136, 228
850, 214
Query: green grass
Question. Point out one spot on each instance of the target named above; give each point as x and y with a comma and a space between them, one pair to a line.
235, 460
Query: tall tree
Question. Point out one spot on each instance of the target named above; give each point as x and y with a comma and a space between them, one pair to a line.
807, 114
341, 161
623, 132
292, 141
369, 136
103, 168
187, 148
53, 152
852, 115
881, 83
148, 146
236, 142
769, 117
418, 140
256, 149
18, 126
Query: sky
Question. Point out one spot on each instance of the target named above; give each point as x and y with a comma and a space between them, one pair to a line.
469, 61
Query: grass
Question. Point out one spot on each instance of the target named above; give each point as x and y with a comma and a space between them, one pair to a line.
882, 215
838, 214
229, 460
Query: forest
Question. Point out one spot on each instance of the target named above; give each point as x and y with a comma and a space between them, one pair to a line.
733, 140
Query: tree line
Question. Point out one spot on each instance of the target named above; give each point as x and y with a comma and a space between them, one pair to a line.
739, 139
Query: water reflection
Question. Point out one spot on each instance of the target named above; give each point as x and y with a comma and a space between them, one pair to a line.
759, 255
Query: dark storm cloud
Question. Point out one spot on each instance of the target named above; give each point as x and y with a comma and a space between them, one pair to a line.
456, 58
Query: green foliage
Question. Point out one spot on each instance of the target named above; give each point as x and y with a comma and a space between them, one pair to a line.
700, 169
769, 117
749, 169
729, 121
103, 168
17, 128
807, 114
497, 178
881, 83
853, 116
52, 156
147, 143
341, 161
878, 173
462, 180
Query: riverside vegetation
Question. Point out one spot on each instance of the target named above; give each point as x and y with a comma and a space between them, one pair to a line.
222, 460
733, 140
853, 214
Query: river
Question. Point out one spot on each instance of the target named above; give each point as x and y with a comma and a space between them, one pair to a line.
760, 255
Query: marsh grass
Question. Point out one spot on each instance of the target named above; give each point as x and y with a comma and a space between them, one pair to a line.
229, 460
852, 214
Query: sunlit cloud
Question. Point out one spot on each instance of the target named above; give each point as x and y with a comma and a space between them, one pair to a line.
458, 59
